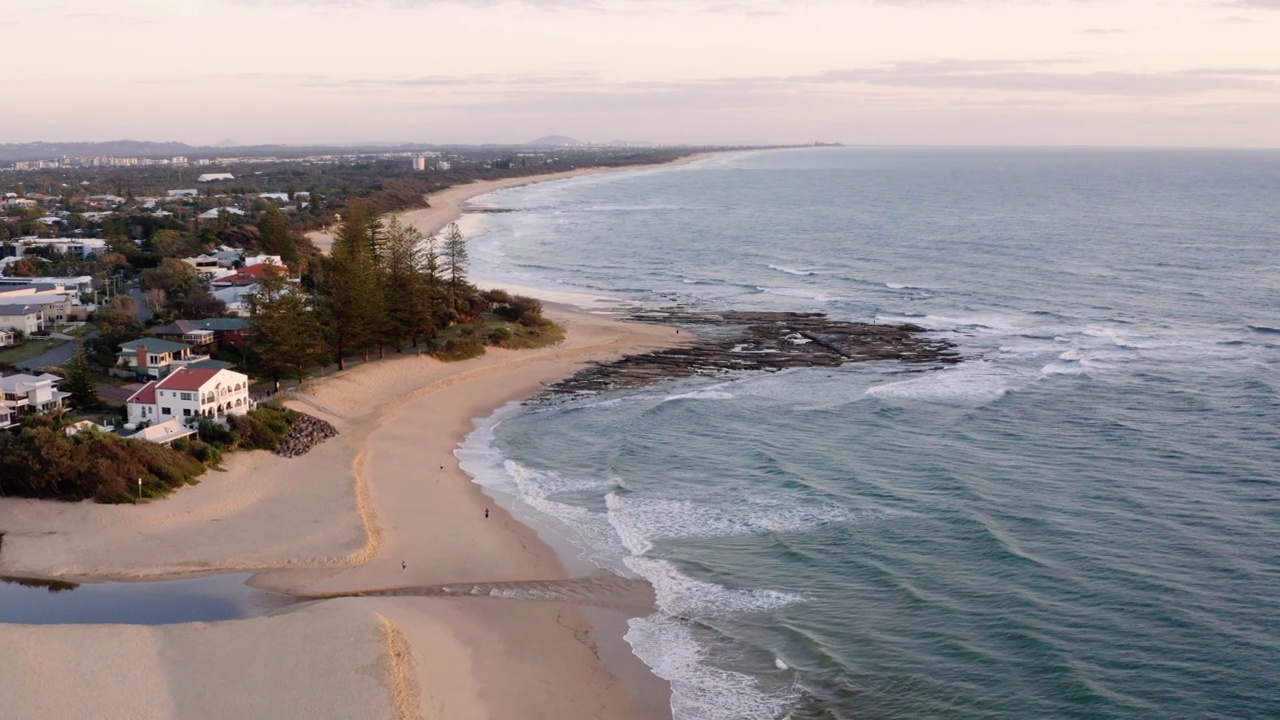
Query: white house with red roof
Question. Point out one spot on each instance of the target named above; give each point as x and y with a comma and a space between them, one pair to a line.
188, 393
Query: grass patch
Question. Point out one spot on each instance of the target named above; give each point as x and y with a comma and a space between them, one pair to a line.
516, 336
28, 351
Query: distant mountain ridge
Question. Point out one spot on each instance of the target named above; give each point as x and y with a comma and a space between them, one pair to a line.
555, 141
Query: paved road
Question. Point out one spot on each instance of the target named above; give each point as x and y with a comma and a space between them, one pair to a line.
144, 314
55, 356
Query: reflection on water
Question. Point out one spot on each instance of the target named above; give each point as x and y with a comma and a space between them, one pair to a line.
33, 601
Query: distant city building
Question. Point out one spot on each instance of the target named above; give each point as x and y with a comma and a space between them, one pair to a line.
442, 166
420, 163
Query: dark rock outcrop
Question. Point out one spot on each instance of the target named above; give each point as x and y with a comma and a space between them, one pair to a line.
730, 342
305, 433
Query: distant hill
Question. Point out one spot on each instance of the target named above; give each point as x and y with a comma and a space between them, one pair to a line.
555, 141
10, 152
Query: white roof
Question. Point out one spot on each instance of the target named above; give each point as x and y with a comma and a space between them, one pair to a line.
166, 431
211, 177
215, 212
25, 383
251, 260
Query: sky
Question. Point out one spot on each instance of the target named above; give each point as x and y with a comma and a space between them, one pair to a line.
1184, 73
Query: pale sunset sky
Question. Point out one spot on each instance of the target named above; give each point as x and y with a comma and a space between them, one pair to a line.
922, 72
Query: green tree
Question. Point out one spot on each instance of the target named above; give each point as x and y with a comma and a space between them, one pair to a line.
273, 235
173, 244
439, 314
78, 381
350, 297
456, 263
404, 284
284, 332
172, 276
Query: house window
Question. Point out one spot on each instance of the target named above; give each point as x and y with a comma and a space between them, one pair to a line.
186, 412
165, 411
187, 396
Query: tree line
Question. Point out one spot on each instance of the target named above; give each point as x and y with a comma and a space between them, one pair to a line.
383, 285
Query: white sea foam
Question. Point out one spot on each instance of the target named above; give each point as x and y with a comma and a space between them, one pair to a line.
714, 392
700, 691
682, 596
977, 382
641, 520
793, 271
797, 293
532, 489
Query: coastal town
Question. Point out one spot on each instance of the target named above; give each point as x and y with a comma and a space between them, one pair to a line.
177, 316
160, 297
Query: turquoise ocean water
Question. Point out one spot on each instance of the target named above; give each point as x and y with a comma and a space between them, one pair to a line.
1082, 520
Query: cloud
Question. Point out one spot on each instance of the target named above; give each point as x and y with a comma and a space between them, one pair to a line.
754, 8
1034, 77
1053, 76
1252, 4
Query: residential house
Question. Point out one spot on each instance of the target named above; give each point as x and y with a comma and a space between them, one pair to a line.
24, 395
229, 332
188, 393
79, 248
153, 357
216, 213
27, 318
187, 332
7, 339
104, 200
184, 192
252, 260
86, 426
225, 332
73, 286
207, 266
236, 298
54, 309
234, 290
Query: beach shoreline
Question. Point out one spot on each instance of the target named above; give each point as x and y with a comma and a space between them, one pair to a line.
345, 517
448, 205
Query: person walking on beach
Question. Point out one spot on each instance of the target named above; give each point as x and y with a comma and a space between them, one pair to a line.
486, 513
403, 566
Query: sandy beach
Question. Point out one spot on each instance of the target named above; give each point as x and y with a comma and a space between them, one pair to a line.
343, 518
449, 204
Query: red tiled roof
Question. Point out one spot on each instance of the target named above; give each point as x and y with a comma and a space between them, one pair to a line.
187, 379
261, 269
146, 395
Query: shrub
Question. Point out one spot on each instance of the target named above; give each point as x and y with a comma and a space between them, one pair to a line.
262, 428
214, 433
41, 461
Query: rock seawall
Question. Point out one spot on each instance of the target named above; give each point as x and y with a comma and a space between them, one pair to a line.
305, 433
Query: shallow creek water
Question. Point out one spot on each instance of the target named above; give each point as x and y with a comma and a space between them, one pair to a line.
165, 602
